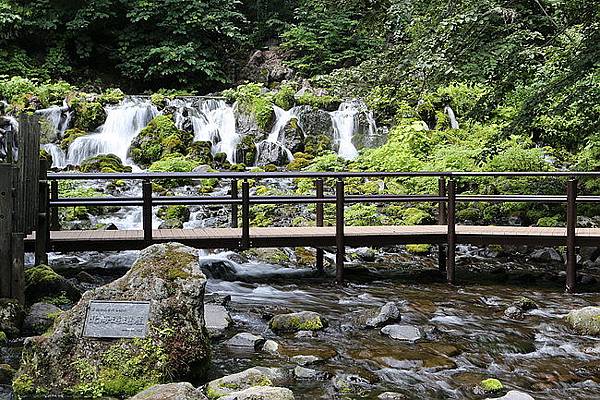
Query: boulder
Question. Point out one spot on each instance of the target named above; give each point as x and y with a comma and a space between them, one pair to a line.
267, 66
293, 136
271, 347
585, 321
256, 376
40, 317
349, 383
6, 374
218, 268
246, 340
546, 254
307, 373
299, 321
406, 333
391, 396
11, 318
387, 314
261, 393
176, 346
170, 391
41, 282
217, 320
306, 360
513, 395
272, 153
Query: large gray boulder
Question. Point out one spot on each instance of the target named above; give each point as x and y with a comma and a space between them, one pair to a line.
217, 320
261, 393
387, 314
513, 395
271, 153
407, 333
256, 376
40, 317
585, 321
168, 276
299, 321
171, 391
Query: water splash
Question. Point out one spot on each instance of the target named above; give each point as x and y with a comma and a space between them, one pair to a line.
277, 134
344, 126
59, 158
453, 122
123, 123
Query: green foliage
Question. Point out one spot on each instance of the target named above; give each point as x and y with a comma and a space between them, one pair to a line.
173, 163
88, 115
111, 96
106, 163
256, 100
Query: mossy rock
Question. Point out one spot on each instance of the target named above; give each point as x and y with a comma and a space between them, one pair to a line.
252, 377
585, 321
201, 152
299, 321
491, 385
246, 150
160, 138
111, 96
418, 248
11, 319
179, 213
220, 161
88, 115
173, 163
107, 163
69, 137
42, 283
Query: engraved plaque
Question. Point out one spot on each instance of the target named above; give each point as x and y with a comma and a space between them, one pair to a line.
117, 319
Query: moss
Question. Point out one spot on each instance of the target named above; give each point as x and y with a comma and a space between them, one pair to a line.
181, 213
270, 168
317, 145
106, 163
201, 152
58, 300
471, 214
491, 385
74, 190
329, 103
298, 163
415, 216
252, 99
158, 99
88, 115
173, 163
111, 96
220, 161
3, 338
160, 138
237, 167
69, 137
178, 262
23, 385
40, 275
418, 248
246, 150
549, 222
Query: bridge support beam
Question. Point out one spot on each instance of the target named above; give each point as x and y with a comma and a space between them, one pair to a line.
340, 254
451, 257
442, 220
234, 207
571, 284
245, 242
319, 222
42, 232
147, 211
6, 229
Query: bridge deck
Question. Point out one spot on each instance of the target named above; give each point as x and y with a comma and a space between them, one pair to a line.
355, 236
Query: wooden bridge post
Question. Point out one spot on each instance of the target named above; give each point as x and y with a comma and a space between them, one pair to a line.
320, 220
147, 210
245, 242
17, 287
6, 228
54, 219
442, 221
571, 236
234, 207
339, 231
451, 260
42, 228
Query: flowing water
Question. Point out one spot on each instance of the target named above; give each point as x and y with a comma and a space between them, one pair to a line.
344, 125
453, 122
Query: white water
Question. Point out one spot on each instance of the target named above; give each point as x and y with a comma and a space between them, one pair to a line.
59, 158
58, 118
123, 123
277, 134
453, 122
344, 126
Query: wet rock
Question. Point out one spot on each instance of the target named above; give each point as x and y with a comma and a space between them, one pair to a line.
315, 122
305, 334
299, 321
171, 391
306, 373
407, 333
585, 321
40, 317
84, 277
391, 396
293, 136
11, 317
365, 254
218, 269
271, 153
219, 299
217, 320
489, 385
306, 360
41, 282
387, 314
518, 309
267, 66
256, 376
6, 374
546, 254
169, 277
261, 393
271, 347
110, 227
513, 395
246, 340
348, 383
171, 224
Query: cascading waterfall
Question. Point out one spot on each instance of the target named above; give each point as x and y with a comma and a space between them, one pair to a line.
450, 112
212, 120
59, 158
58, 118
123, 123
277, 134
344, 126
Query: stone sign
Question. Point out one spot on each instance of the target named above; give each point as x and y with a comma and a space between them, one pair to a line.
116, 319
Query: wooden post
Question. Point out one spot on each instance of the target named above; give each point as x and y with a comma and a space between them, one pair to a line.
339, 231
245, 242
234, 207
442, 221
571, 236
147, 210
54, 215
451, 260
320, 221
6, 228
42, 227
17, 287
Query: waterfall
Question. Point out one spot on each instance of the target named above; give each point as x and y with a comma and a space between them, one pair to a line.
344, 126
277, 134
58, 117
123, 123
59, 158
212, 120
453, 122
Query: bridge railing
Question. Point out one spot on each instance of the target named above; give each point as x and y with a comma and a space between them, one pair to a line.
446, 198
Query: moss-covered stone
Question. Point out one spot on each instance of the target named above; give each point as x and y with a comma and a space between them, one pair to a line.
88, 115
69, 137
246, 150
159, 139
42, 282
3, 338
300, 321
201, 152
252, 377
179, 213
111, 96
11, 319
173, 163
491, 385
107, 163
585, 321
418, 248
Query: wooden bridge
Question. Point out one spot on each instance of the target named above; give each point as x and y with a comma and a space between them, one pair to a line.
447, 234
